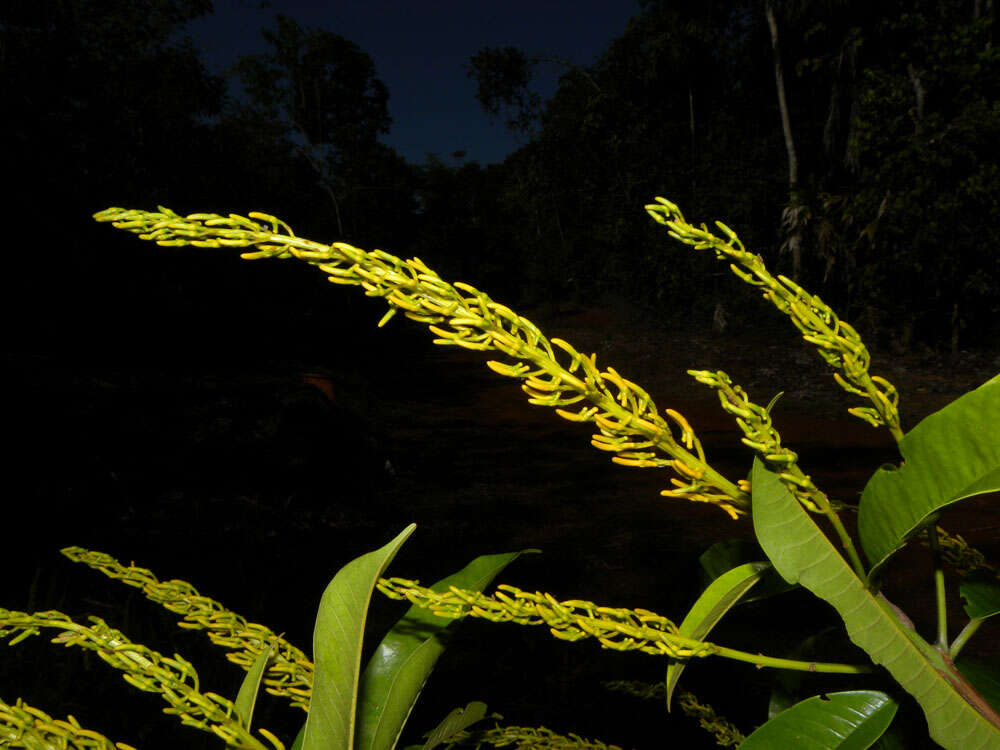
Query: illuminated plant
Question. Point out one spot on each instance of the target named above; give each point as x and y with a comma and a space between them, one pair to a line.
951, 455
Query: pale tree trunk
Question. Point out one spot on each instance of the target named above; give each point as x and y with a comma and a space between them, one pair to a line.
786, 126
980, 8
694, 143
324, 181
919, 98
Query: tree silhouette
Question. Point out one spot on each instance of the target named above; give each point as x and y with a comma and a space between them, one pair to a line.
325, 89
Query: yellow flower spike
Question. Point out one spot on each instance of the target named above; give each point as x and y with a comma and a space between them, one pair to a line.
760, 435
475, 321
510, 371
443, 334
838, 342
604, 443
565, 346
687, 434
782, 458
847, 386
387, 317
290, 668
687, 471
584, 415
31, 727
174, 679
537, 384
758, 446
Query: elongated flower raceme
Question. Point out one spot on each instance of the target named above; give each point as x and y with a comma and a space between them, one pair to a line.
837, 342
726, 734
174, 678
628, 422
614, 628
760, 435
289, 673
536, 738
22, 725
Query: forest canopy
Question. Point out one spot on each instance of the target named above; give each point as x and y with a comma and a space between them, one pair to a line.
851, 143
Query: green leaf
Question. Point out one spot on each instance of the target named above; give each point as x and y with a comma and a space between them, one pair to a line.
713, 603
337, 638
791, 685
801, 553
455, 722
893, 739
397, 671
731, 553
779, 701
981, 591
985, 678
851, 720
951, 455
246, 699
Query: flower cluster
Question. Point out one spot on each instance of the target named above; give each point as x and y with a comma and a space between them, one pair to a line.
959, 554
289, 672
614, 628
22, 725
838, 343
174, 678
525, 738
726, 734
628, 422
760, 435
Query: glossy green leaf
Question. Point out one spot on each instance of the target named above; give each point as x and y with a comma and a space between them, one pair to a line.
951, 455
397, 671
246, 699
801, 553
893, 739
985, 678
457, 721
731, 553
851, 720
337, 638
779, 701
981, 591
791, 685
714, 602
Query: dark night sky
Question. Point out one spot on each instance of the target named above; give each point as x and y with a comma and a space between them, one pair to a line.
420, 51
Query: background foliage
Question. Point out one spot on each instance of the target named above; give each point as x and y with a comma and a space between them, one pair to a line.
894, 210
892, 109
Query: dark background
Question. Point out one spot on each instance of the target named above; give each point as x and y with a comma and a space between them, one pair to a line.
229, 423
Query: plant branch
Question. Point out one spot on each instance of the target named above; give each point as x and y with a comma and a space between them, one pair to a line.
628, 421
939, 590
963, 637
538, 738
614, 628
959, 554
726, 733
289, 674
30, 727
760, 435
175, 679
837, 342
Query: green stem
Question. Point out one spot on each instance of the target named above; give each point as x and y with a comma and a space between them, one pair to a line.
939, 592
967, 632
823, 502
802, 666
845, 540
